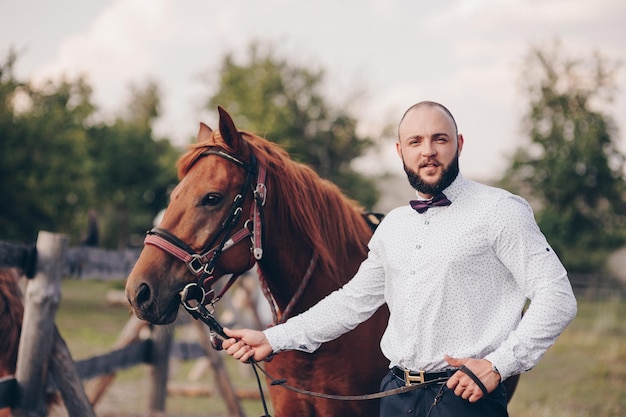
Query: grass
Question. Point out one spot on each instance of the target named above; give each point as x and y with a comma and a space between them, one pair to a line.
582, 375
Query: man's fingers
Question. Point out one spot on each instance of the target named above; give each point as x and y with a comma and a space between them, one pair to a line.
239, 350
232, 348
475, 396
464, 387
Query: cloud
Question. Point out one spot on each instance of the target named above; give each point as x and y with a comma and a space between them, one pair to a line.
464, 53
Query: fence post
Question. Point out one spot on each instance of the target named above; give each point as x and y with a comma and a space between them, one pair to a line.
67, 380
40, 304
162, 337
226, 390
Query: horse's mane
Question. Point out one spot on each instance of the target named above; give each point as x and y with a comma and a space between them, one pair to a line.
316, 208
11, 312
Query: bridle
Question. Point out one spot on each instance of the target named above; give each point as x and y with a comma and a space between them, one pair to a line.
202, 264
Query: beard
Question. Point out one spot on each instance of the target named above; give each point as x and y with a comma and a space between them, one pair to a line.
448, 175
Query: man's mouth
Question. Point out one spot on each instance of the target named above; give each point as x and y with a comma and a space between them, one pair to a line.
431, 164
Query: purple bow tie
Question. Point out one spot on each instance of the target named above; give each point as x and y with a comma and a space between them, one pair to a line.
422, 205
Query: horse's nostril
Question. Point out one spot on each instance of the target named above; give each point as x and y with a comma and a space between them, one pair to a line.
143, 294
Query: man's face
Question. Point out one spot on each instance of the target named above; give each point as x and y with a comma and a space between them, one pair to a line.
429, 149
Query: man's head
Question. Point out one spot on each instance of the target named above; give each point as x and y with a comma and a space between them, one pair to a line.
429, 145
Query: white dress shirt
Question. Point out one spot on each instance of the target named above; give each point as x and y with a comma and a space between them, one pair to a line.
455, 280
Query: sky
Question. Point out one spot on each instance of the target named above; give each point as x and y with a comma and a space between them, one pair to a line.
388, 54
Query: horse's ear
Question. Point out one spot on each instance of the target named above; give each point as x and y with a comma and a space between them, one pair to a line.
205, 133
227, 129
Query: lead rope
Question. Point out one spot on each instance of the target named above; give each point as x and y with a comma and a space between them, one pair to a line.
296, 297
438, 398
258, 381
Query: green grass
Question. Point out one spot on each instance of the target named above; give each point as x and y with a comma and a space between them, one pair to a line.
90, 326
582, 375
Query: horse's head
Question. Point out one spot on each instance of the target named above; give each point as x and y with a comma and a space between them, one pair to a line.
205, 231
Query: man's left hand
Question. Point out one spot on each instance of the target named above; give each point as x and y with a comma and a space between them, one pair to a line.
464, 386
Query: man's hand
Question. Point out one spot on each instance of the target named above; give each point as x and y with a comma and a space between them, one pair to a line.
245, 344
464, 386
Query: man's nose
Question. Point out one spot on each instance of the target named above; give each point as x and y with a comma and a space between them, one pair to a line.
428, 149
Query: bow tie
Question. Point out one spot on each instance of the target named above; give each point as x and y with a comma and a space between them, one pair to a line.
422, 205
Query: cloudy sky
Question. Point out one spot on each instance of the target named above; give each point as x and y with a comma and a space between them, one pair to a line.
463, 53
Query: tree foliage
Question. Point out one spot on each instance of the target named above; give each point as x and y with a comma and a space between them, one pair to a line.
283, 102
43, 158
571, 169
56, 164
131, 169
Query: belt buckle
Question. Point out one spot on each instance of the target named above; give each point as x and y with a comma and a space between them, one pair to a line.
413, 379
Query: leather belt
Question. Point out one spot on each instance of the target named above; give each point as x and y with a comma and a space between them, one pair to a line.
418, 377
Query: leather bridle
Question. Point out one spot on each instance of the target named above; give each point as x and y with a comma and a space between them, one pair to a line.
202, 264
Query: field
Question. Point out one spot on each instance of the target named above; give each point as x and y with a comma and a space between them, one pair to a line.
582, 375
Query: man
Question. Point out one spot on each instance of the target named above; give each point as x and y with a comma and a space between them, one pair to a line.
455, 267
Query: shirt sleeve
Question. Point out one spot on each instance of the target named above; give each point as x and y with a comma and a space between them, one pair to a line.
540, 275
336, 314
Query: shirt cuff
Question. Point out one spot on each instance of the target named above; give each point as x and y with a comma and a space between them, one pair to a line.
287, 337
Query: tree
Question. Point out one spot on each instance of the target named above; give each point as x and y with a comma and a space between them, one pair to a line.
44, 167
283, 102
57, 166
571, 170
132, 171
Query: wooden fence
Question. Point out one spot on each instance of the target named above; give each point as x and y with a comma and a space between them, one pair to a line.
45, 363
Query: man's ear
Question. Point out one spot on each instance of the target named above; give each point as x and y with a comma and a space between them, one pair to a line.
399, 149
460, 142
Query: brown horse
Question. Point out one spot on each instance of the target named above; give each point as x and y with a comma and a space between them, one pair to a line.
11, 313
306, 238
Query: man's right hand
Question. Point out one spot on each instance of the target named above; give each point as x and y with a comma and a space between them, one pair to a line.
245, 344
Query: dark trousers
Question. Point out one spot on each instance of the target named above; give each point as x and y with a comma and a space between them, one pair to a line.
419, 403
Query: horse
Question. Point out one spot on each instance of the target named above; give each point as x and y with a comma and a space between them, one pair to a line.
11, 313
306, 238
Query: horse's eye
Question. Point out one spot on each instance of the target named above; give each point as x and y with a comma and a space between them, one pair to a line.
211, 199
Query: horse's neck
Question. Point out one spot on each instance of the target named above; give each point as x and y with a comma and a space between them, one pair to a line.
285, 264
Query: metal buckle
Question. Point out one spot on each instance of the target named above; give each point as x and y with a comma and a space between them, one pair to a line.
195, 264
260, 194
413, 379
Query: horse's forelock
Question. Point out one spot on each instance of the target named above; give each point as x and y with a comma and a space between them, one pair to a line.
195, 150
